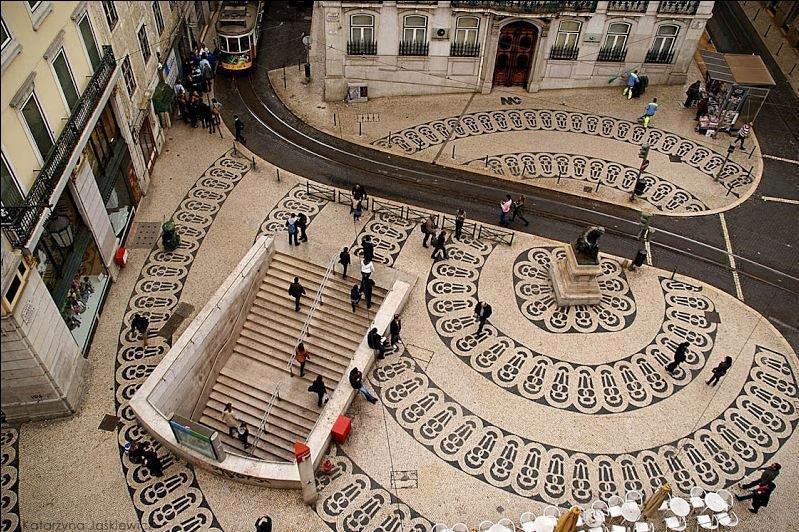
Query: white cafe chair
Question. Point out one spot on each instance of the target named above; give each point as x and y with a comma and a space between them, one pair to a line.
460, 527
614, 506
707, 522
634, 496
726, 496
601, 528
643, 526
601, 506
675, 523
618, 528
507, 523
727, 519
440, 527
697, 498
552, 511
527, 521
485, 525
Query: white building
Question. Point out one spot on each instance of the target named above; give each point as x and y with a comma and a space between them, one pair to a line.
402, 48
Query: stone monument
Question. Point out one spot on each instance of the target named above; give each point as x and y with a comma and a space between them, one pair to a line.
575, 277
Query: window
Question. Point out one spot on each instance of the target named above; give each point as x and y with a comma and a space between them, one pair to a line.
664, 40
466, 30
37, 126
568, 34
65, 79
144, 44
92, 51
414, 29
244, 43
362, 28
110, 14
15, 287
130, 79
6, 35
159, 18
616, 39
11, 195
233, 45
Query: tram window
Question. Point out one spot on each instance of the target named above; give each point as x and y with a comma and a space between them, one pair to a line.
233, 45
222, 43
244, 42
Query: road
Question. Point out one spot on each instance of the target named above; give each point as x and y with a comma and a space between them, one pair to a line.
760, 237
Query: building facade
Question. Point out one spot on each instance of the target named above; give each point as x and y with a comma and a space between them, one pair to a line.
403, 48
79, 138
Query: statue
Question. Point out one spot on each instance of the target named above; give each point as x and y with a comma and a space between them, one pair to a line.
586, 247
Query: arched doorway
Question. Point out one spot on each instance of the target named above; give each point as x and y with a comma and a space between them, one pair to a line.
515, 50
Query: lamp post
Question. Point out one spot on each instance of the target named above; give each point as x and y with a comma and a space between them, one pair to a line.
730, 149
61, 231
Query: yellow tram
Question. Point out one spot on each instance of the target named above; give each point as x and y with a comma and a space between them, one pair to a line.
238, 29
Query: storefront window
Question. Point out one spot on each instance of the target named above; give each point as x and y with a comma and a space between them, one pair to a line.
119, 203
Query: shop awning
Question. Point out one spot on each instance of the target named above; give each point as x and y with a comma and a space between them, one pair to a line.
742, 69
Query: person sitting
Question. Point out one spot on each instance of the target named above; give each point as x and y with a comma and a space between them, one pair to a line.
376, 342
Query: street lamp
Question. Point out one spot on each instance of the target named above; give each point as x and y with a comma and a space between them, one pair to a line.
730, 149
61, 231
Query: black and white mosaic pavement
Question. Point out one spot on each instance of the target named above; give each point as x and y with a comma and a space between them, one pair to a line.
389, 232
10, 479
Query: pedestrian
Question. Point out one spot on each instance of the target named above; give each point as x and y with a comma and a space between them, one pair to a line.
358, 195
238, 127
344, 260
230, 419
356, 381
679, 357
318, 387
183, 111
692, 94
460, 217
505, 207
428, 229
357, 211
302, 225
760, 496
366, 289
640, 86
296, 291
720, 370
355, 296
518, 210
769, 474
439, 246
482, 311
743, 134
367, 268
136, 452
632, 81
243, 433
263, 524
377, 343
216, 115
204, 111
701, 108
394, 329
301, 355
291, 227
649, 112
140, 325
207, 71
368, 247
153, 463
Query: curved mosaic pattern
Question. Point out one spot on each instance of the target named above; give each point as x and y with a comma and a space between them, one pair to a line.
295, 201
422, 136
10, 480
741, 439
662, 194
389, 234
632, 382
536, 297
351, 501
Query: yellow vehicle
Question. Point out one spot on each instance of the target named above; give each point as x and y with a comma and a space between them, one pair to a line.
238, 29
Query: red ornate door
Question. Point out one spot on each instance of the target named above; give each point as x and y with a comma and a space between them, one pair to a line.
514, 54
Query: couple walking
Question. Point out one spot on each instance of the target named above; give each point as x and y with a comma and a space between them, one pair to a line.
510, 210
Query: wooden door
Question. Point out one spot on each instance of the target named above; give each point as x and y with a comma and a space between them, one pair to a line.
515, 51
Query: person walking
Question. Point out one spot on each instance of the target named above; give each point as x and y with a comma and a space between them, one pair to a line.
460, 217
428, 229
301, 355
230, 419
366, 288
518, 210
356, 381
692, 94
482, 311
632, 81
238, 128
394, 330
368, 248
263, 524
759, 496
243, 434
216, 115
153, 463
318, 387
358, 195
720, 370
505, 207
140, 325
742, 135
440, 246
302, 225
344, 260
679, 357
355, 296
769, 474
367, 269
357, 212
296, 291
376, 342
291, 227
649, 112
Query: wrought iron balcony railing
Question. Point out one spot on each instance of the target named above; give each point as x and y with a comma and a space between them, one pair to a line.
361, 48
633, 6
19, 223
464, 49
413, 48
677, 7
612, 55
659, 56
580, 6
564, 52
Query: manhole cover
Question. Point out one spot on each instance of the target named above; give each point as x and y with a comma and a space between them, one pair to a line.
145, 235
408, 479
675, 158
109, 423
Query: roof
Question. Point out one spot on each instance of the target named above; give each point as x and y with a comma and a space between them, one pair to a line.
717, 67
743, 69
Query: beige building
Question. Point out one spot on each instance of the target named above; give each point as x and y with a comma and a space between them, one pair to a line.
398, 48
79, 137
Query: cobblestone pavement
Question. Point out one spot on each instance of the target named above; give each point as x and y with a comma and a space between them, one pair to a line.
547, 407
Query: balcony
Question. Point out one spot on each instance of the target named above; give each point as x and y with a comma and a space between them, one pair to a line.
678, 8
629, 7
611, 55
361, 48
659, 56
19, 223
568, 53
413, 48
576, 6
464, 49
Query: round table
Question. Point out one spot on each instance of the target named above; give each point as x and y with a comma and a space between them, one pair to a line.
545, 523
679, 507
715, 502
499, 528
630, 511
594, 518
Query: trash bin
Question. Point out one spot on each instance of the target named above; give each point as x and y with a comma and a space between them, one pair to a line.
640, 258
169, 236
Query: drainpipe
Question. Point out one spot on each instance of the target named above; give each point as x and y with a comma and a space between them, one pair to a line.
483, 54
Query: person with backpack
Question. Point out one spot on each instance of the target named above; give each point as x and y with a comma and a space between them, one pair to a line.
376, 342
440, 246
344, 260
355, 296
318, 387
291, 227
356, 381
428, 229
296, 290
302, 225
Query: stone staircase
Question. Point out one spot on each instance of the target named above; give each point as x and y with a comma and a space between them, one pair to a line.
257, 363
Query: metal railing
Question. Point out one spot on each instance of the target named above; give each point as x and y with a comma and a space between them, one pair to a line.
568, 53
20, 222
361, 48
414, 48
677, 7
464, 49
659, 56
304, 333
579, 6
633, 6
612, 55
